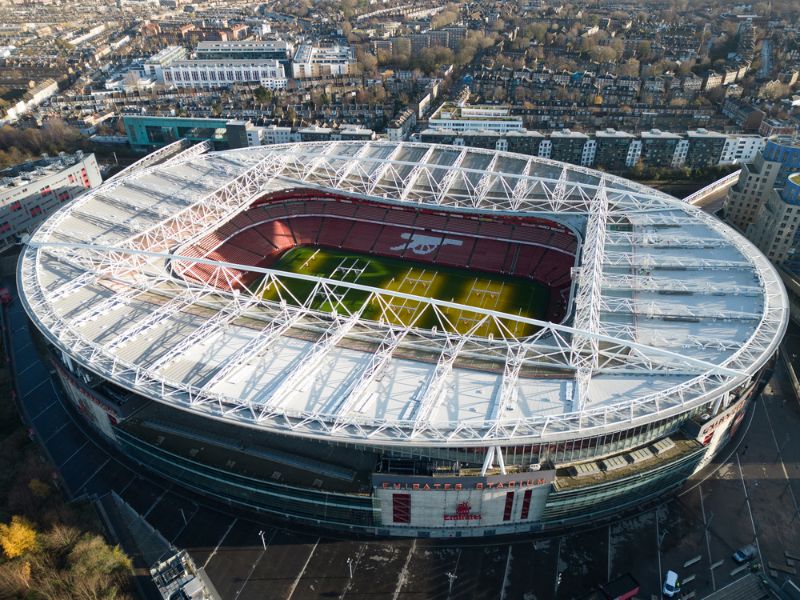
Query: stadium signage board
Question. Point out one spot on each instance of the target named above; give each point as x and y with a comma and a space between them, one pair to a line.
528, 479
463, 513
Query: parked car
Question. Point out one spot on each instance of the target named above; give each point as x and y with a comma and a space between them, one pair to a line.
671, 584
745, 553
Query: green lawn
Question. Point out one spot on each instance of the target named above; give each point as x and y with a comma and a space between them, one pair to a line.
513, 295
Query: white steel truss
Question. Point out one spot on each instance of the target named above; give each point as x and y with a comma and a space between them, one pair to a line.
588, 298
267, 336
138, 267
310, 361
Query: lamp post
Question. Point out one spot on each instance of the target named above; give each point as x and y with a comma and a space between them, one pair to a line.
451, 577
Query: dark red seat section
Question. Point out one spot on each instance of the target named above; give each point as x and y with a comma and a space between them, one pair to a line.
522, 246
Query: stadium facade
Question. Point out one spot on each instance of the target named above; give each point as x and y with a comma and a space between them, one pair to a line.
418, 406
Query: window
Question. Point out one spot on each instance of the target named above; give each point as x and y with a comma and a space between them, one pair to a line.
526, 504
509, 506
401, 508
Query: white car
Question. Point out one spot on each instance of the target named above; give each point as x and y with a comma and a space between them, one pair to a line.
671, 584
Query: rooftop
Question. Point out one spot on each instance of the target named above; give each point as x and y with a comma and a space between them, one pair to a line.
688, 307
24, 173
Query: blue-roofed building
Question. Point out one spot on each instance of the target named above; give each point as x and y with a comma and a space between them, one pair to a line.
786, 152
147, 133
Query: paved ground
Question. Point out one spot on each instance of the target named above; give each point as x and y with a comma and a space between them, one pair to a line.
749, 495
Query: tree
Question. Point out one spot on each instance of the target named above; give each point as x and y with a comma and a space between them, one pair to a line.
644, 51
92, 556
603, 54
630, 68
774, 90
262, 95
18, 537
368, 60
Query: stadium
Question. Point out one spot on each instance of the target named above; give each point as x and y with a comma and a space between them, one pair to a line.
393, 338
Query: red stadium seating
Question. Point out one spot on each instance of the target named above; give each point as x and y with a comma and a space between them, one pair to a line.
523, 246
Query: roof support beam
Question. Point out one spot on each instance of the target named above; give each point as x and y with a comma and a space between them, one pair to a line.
421, 167
279, 325
656, 240
522, 186
508, 387
339, 328
674, 311
227, 315
433, 391
646, 261
485, 183
588, 297
355, 394
384, 167
450, 176
118, 299
618, 281
177, 304
352, 164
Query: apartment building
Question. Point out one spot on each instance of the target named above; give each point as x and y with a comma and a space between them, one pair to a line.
244, 50
777, 222
269, 73
464, 118
323, 60
750, 192
31, 191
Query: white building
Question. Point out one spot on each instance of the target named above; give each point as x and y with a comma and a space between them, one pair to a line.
222, 73
243, 49
681, 152
323, 60
740, 149
271, 134
452, 117
31, 191
153, 67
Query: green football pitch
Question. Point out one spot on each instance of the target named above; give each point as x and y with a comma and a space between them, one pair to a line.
514, 295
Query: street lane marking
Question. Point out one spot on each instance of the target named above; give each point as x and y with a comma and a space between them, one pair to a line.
506, 575
738, 570
83, 485
717, 564
61, 466
300, 574
219, 543
706, 527
749, 510
255, 564
44, 410
691, 561
52, 435
34, 388
401, 578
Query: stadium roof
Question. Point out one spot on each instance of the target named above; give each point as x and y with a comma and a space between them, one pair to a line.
671, 308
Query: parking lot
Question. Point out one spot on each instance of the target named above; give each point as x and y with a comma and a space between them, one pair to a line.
749, 495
